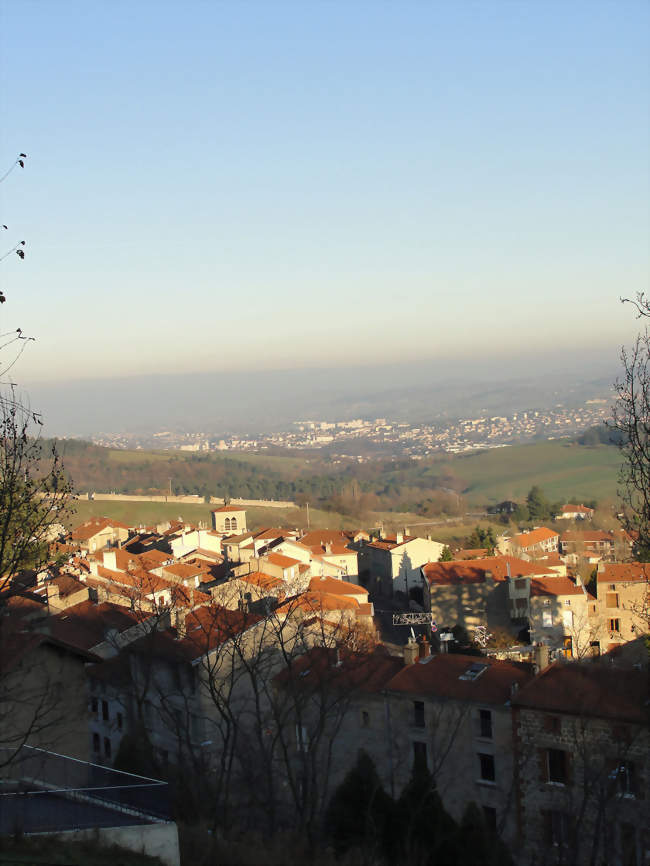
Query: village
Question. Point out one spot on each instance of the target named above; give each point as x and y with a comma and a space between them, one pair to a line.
256, 666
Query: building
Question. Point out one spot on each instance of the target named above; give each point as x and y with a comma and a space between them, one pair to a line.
392, 564
582, 748
229, 519
575, 512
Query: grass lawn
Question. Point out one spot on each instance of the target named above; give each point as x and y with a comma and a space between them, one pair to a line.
561, 469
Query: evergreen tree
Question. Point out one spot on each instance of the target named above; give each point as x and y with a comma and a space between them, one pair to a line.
359, 811
446, 555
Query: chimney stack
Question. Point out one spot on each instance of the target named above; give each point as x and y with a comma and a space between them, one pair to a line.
399, 537
410, 652
423, 647
541, 657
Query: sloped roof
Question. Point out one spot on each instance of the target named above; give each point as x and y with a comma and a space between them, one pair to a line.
474, 570
591, 689
535, 536
439, 676
623, 572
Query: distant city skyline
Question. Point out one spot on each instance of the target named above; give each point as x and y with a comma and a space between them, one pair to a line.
287, 185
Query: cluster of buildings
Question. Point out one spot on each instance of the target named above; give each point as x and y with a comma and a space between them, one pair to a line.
350, 438
255, 658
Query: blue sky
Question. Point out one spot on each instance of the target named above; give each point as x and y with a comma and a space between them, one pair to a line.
254, 185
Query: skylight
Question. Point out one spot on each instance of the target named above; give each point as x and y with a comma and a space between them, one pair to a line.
473, 672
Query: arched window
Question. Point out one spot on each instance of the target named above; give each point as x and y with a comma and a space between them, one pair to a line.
233, 523
227, 523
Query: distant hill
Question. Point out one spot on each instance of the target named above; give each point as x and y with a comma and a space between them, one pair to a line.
562, 468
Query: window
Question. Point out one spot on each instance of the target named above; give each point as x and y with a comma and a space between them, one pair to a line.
520, 583
567, 647
624, 777
614, 625
557, 827
119, 721
302, 741
94, 706
487, 767
557, 766
547, 619
418, 714
611, 599
485, 724
105, 710
552, 724
95, 742
490, 816
365, 719
595, 647
107, 747
233, 523
612, 587
227, 523
419, 754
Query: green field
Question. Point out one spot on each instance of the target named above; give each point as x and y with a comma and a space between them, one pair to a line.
563, 469
560, 468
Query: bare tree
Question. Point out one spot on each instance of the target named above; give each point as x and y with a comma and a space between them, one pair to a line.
631, 418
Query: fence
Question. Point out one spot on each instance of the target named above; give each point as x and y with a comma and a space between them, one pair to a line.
42, 792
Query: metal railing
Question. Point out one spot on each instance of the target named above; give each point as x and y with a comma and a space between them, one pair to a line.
41, 791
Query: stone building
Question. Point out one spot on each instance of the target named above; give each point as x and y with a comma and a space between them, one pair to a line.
582, 750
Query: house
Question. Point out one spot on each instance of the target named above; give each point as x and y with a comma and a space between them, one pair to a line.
563, 615
479, 592
623, 599
43, 693
537, 542
575, 512
99, 532
229, 520
392, 564
582, 747
585, 544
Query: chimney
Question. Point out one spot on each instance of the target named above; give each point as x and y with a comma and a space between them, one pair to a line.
410, 652
423, 647
399, 537
406, 531
540, 657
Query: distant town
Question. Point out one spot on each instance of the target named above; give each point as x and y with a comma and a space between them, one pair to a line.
361, 439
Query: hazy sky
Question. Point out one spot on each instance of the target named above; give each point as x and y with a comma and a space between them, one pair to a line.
268, 184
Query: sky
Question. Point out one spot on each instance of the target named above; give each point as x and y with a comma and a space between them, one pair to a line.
219, 186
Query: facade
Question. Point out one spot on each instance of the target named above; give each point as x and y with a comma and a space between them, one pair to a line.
229, 519
582, 751
623, 600
393, 564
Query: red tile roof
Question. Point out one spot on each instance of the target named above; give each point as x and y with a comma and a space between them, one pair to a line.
588, 689
338, 587
91, 527
474, 570
439, 676
535, 536
280, 560
554, 586
623, 572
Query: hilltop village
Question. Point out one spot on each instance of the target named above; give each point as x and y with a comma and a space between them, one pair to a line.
260, 664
